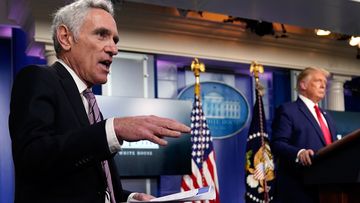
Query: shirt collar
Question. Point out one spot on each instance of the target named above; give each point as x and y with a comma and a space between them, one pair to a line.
79, 83
310, 104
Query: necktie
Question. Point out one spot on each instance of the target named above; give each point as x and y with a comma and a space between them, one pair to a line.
324, 128
94, 117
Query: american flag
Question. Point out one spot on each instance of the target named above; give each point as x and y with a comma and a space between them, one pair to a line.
259, 160
203, 165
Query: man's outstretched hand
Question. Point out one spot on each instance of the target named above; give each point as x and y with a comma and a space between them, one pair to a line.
150, 128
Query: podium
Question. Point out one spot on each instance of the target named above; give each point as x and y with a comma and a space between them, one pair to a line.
336, 170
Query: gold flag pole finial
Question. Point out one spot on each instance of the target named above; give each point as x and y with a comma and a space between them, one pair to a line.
256, 69
197, 67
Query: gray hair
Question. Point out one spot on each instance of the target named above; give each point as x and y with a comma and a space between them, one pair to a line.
73, 15
307, 72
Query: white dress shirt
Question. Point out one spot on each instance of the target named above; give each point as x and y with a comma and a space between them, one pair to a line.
114, 144
310, 105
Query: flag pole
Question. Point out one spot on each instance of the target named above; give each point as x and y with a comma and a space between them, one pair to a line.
256, 69
197, 68
203, 164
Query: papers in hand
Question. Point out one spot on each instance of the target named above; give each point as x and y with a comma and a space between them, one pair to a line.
204, 193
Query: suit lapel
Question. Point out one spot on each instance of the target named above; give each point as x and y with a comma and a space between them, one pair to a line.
303, 108
72, 93
74, 98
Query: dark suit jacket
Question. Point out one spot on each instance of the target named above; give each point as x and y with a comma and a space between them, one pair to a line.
295, 128
57, 154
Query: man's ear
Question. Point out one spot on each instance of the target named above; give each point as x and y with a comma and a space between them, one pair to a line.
303, 85
64, 37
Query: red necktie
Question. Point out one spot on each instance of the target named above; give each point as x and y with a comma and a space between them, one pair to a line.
94, 117
324, 128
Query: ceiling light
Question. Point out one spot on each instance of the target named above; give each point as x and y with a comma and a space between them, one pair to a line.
320, 32
354, 41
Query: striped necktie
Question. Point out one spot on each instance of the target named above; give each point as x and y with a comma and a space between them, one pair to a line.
94, 117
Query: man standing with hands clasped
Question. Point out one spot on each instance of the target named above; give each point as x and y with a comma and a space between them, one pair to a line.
299, 130
62, 147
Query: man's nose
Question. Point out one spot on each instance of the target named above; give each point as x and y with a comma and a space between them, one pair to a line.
111, 49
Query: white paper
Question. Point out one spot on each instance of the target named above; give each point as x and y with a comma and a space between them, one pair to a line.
204, 193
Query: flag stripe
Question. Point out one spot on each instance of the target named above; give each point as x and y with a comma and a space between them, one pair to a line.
214, 170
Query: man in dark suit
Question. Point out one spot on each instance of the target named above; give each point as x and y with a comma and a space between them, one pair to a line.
58, 151
298, 131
